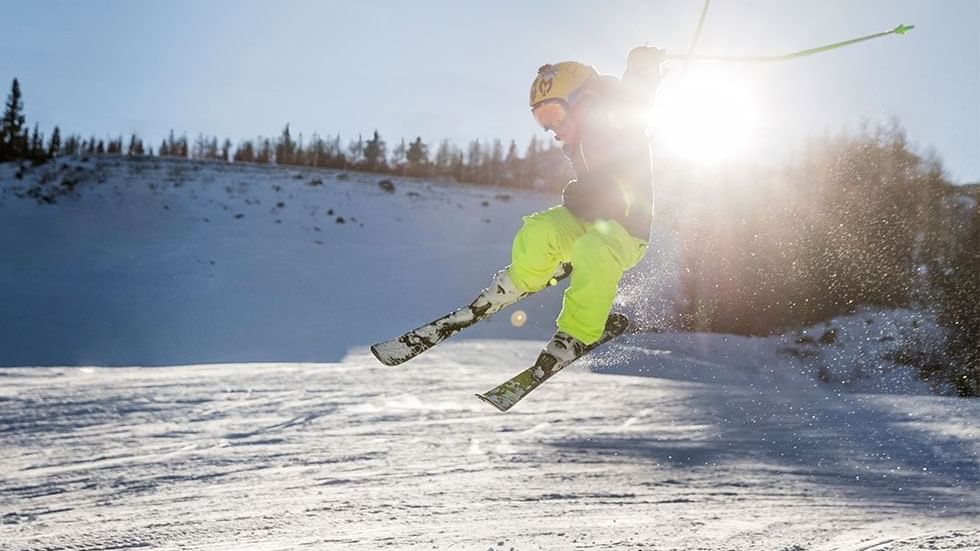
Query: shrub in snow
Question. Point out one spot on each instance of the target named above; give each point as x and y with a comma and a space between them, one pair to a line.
805, 339
69, 183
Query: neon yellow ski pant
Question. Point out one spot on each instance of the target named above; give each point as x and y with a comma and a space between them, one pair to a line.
599, 252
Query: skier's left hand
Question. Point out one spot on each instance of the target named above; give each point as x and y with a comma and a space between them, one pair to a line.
589, 200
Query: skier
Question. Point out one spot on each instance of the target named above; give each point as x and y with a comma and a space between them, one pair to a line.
601, 229
603, 225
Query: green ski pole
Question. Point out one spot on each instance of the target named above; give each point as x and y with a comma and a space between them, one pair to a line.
899, 30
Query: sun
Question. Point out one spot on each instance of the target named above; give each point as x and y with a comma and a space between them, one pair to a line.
706, 115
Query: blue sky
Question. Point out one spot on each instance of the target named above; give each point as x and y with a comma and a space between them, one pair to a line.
461, 69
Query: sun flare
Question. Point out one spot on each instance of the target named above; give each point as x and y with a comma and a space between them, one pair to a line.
708, 115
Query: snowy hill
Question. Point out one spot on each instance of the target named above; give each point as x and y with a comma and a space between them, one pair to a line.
809, 441
161, 262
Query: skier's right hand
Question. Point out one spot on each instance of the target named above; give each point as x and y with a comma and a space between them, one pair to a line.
645, 60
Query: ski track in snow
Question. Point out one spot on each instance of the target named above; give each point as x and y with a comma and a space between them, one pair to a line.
354, 455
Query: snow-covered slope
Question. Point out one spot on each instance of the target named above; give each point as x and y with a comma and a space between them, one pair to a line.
160, 262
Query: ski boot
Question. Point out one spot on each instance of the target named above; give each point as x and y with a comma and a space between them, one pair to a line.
560, 351
500, 294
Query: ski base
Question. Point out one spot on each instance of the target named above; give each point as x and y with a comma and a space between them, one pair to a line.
504, 396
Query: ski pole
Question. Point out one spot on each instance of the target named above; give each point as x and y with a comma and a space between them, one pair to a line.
899, 30
697, 35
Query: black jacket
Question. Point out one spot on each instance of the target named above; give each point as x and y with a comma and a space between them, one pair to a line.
613, 167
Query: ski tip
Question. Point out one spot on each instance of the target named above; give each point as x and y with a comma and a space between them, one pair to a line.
492, 403
386, 359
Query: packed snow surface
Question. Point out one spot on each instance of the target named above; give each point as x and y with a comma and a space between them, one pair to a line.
353, 455
268, 424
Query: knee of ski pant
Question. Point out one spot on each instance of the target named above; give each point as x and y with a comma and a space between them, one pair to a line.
544, 239
545, 228
608, 242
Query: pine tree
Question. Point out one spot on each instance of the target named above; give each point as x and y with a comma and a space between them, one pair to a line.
285, 148
115, 146
512, 167
418, 157
172, 147
135, 148
182, 149
457, 166
54, 146
316, 154
443, 158
199, 151
12, 126
495, 163
265, 151
226, 150
299, 156
474, 158
374, 153
71, 145
245, 153
356, 151
36, 150
532, 157
398, 155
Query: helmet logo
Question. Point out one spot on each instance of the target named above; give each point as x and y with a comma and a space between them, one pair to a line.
546, 79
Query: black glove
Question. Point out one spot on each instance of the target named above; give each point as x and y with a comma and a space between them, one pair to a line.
645, 60
588, 200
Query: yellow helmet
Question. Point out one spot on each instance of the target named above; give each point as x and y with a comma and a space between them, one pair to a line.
560, 81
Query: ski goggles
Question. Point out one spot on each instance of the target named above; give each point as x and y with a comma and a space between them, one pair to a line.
550, 115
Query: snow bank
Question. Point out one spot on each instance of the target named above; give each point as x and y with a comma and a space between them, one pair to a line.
858, 353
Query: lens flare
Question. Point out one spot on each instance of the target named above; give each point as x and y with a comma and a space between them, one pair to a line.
706, 115
518, 318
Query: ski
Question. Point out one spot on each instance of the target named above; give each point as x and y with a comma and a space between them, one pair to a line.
417, 341
504, 396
